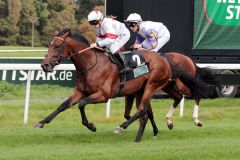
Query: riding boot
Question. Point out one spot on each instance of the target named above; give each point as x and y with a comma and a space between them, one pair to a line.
120, 62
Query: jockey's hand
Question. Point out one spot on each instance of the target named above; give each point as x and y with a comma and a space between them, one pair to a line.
93, 45
137, 46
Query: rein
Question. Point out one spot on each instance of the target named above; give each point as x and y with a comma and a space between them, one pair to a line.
81, 51
86, 70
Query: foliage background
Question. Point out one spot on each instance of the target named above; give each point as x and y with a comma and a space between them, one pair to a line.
18, 16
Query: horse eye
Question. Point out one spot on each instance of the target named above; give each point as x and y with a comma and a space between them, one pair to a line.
45, 55
56, 47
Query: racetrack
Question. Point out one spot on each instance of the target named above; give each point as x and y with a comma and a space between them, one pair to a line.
65, 138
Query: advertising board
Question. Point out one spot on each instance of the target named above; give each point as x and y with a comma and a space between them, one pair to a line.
57, 77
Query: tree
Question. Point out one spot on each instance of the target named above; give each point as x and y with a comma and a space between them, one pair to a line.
3, 9
10, 13
20, 20
29, 19
85, 6
42, 13
86, 29
62, 16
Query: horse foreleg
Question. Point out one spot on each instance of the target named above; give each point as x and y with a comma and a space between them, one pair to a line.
196, 121
93, 98
142, 109
65, 105
128, 106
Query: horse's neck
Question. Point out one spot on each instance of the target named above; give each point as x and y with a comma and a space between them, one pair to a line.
88, 59
84, 60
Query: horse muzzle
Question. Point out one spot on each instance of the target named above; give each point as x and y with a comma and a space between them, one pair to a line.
47, 67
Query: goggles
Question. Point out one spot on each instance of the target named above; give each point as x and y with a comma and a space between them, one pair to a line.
131, 24
94, 23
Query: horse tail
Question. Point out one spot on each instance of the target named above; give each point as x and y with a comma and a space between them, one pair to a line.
201, 85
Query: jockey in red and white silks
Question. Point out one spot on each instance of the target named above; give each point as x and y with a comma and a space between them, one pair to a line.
151, 35
111, 33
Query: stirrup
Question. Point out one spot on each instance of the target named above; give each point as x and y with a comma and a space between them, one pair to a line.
125, 69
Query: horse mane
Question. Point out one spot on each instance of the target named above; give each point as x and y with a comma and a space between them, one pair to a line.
74, 35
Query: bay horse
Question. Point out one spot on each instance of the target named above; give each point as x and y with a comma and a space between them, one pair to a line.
205, 83
98, 79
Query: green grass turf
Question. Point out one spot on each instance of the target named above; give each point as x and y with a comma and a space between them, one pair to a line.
22, 54
66, 139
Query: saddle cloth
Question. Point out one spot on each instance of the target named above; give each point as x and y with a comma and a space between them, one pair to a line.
136, 62
132, 59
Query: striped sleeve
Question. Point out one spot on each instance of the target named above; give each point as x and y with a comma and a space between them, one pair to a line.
151, 41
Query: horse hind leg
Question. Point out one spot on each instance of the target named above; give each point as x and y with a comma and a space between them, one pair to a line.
151, 118
141, 114
196, 121
143, 121
128, 106
169, 116
177, 96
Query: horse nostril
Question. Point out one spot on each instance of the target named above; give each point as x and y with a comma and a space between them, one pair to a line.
44, 67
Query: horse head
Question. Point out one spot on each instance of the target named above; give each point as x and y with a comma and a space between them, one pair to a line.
63, 46
57, 51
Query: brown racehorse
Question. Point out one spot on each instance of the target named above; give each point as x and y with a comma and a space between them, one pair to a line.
176, 89
98, 79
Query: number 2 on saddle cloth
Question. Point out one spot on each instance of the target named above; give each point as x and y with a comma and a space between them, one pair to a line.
136, 62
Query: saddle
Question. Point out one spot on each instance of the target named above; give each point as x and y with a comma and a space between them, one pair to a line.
136, 64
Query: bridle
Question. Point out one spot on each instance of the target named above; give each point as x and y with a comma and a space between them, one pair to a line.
60, 49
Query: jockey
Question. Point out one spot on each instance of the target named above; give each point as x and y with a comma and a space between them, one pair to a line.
110, 33
150, 35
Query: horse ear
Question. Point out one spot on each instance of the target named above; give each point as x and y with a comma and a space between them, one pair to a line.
66, 34
56, 33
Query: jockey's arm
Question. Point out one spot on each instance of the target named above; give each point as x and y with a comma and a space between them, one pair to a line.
138, 42
108, 36
104, 42
151, 41
139, 39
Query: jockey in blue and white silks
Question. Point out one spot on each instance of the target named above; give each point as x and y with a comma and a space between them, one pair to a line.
150, 35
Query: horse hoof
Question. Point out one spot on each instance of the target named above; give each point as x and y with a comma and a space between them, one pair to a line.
155, 133
118, 130
170, 126
137, 140
39, 125
199, 124
92, 127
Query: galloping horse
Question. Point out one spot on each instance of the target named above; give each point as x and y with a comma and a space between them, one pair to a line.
98, 79
177, 88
